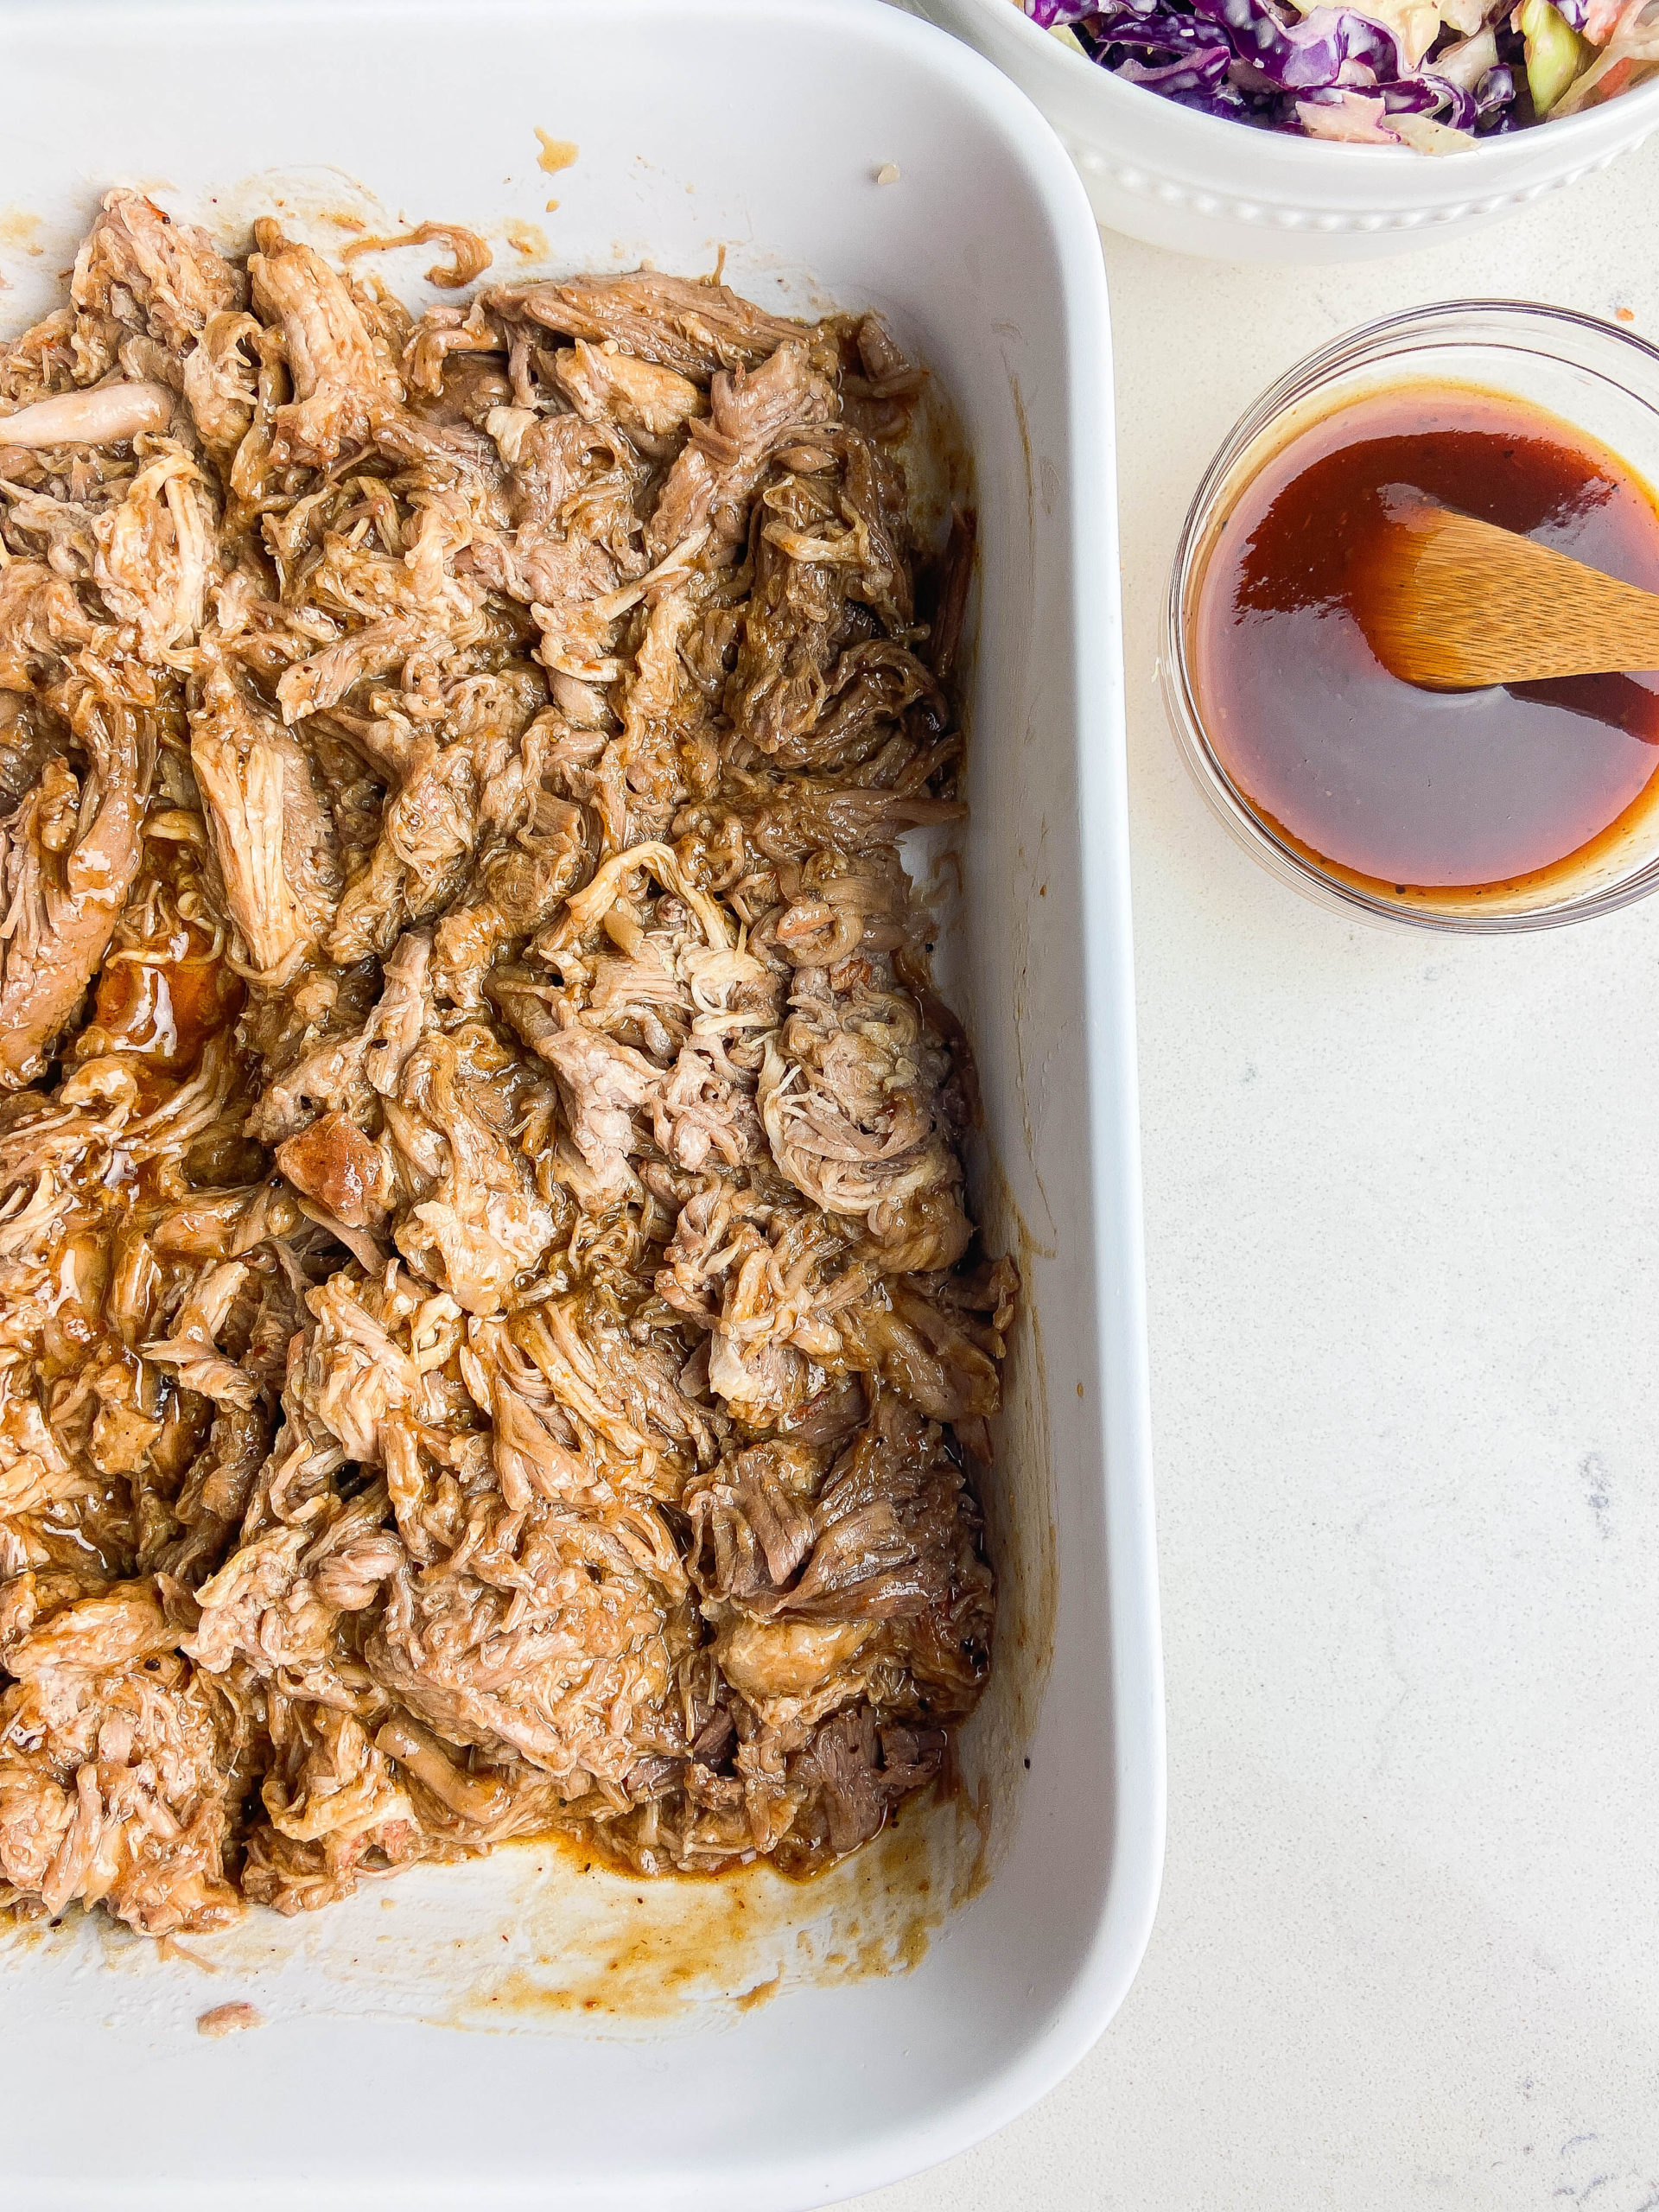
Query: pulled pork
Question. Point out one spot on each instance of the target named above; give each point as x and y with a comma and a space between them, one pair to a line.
490, 1337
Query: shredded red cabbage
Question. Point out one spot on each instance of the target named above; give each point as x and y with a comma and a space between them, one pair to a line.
1258, 61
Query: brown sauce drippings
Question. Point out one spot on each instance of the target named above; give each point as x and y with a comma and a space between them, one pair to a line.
165, 1010
1403, 787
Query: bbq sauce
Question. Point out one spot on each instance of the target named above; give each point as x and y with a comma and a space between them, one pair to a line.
1385, 783
164, 1010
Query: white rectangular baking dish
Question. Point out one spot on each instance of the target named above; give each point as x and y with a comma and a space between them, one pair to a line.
746, 2044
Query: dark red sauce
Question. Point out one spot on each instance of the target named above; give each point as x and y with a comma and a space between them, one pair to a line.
1405, 787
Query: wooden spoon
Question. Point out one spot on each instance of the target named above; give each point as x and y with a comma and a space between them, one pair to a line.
1451, 604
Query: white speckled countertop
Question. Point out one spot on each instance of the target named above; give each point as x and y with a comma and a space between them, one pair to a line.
1402, 1215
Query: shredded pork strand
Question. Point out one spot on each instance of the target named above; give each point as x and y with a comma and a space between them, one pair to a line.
491, 1337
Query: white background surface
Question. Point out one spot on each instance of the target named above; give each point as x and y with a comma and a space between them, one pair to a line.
1401, 1204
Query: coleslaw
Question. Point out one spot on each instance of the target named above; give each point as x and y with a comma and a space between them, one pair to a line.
1434, 75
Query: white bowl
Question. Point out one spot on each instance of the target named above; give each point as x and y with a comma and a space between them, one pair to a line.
1198, 184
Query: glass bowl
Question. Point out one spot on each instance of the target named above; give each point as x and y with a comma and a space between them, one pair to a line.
1594, 376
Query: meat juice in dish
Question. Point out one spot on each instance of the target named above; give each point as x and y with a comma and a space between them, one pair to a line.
491, 1341
1386, 782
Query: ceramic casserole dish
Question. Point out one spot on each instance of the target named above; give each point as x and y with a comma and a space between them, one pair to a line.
518, 2030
